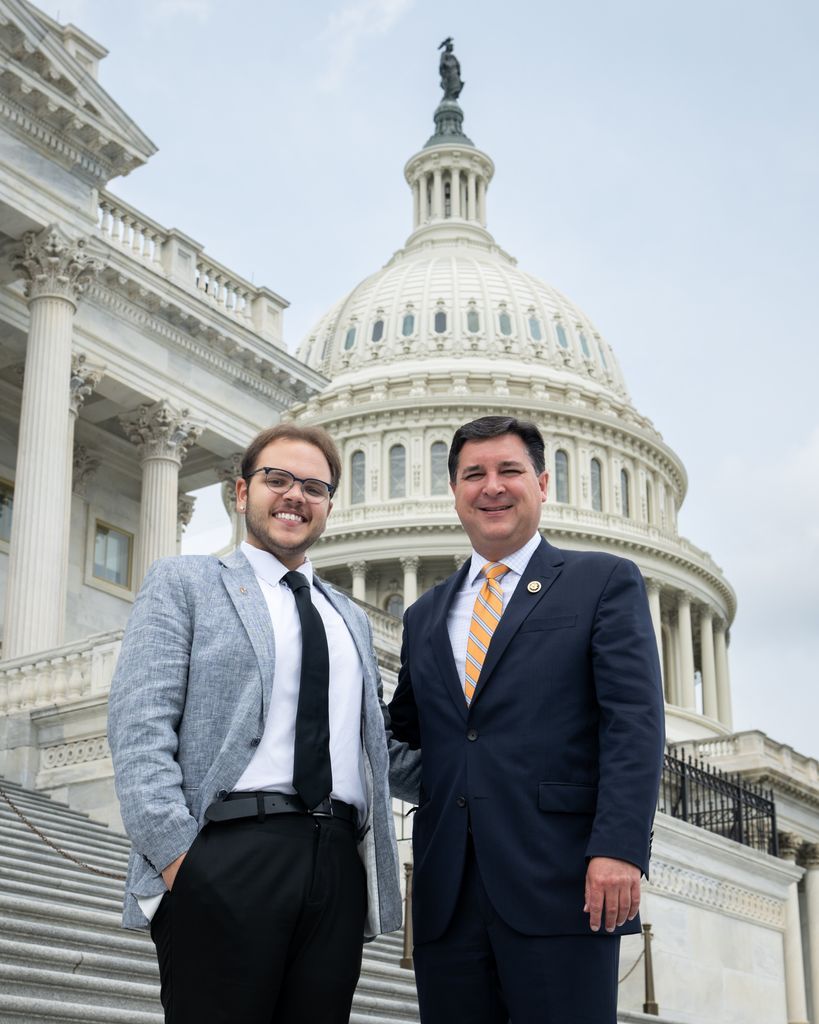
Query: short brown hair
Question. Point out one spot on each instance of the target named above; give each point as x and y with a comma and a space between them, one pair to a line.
496, 426
317, 436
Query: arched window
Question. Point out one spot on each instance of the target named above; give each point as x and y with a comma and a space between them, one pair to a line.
505, 323
625, 496
597, 485
447, 199
394, 605
438, 474
585, 346
358, 479
398, 471
408, 325
473, 321
534, 329
440, 322
562, 340
378, 330
349, 339
602, 354
562, 476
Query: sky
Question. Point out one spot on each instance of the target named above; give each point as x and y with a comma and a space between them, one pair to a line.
657, 162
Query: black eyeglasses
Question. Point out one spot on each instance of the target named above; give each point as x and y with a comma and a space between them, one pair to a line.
280, 481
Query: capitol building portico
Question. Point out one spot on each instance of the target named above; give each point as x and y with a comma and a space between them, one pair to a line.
451, 329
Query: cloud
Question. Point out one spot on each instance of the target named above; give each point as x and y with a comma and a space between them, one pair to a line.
347, 29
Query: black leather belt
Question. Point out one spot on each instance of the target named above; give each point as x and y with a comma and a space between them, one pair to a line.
261, 804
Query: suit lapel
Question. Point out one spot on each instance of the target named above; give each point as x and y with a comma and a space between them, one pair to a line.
439, 637
245, 593
544, 567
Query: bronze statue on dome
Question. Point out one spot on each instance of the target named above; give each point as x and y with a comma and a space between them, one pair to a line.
450, 70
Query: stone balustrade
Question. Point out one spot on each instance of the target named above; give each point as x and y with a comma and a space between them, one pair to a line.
224, 290
124, 226
65, 674
753, 751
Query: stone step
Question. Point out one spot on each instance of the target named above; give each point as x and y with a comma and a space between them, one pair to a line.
61, 875
59, 832
60, 985
80, 961
25, 1010
26, 842
42, 891
32, 804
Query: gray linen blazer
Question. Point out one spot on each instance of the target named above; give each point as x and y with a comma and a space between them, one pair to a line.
191, 691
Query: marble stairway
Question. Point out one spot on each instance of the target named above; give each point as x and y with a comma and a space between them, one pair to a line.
64, 956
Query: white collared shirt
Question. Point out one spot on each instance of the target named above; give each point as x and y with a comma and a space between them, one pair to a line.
271, 766
460, 612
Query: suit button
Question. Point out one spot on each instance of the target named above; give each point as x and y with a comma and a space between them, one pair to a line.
472, 734
461, 801
255, 741
221, 794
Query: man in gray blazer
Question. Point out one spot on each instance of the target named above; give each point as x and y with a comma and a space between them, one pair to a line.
247, 735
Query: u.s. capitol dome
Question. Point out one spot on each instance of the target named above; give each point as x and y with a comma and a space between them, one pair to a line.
451, 329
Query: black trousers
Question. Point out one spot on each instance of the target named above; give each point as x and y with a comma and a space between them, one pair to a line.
264, 924
481, 971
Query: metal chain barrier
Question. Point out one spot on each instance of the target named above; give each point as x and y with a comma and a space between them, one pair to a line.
631, 969
75, 860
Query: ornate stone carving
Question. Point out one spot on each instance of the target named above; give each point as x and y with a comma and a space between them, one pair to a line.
707, 891
84, 380
76, 752
85, 467
228, 474
358, 568
409, 563
54, 265
789, 843
809, 855
184, 510
160, 432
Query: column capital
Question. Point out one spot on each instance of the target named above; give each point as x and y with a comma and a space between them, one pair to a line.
789, 844
53, 265
652, 584
84, 380
160, 431
184, 510
86, 465
706, 612
358, 568
410, 563
230, 470
684, 597
809, 855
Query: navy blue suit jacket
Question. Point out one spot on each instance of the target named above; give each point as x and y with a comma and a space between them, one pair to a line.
557, 759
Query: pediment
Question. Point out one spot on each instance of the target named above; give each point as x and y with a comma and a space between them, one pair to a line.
49, 94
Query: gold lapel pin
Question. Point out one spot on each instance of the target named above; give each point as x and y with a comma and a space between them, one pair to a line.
533, 587
242, 590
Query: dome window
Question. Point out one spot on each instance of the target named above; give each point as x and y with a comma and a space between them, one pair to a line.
408, 325
562, 476
447, 199
438, 468
562, 340
585, 346
505, 323
534, 329
473, 321
625, 496
358, 479
649, 510
398, 471
349, 339
601, 350
440, 322
596, 485
378, 331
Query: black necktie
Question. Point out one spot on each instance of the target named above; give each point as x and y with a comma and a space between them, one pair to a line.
312, 774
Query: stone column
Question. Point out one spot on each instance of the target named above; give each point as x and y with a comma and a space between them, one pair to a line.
57, 271
359, 571
482, 201
416, 203
410, 566
455, 192
710, 707
423, 196
163, 436
184, 513
687, 695
228, 474
810, 858
437, 194
653, 589
471, 201
794, 963
723, 678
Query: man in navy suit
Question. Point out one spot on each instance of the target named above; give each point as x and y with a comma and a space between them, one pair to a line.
531, 682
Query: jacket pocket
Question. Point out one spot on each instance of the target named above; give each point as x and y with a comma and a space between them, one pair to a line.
567, 797
555, 622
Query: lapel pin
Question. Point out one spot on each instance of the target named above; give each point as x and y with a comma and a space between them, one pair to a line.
533, 587
242, 590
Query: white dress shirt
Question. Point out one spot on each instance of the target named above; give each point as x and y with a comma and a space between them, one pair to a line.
460, 612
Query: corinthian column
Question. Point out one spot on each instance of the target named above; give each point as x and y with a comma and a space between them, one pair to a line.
410, 567
359, 573
794, 964
710, 705
810, 858
228, 475
653, 590
163, 436
685, 637
723, 678
56, 271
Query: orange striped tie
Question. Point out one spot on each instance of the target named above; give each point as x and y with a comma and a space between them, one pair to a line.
485, 618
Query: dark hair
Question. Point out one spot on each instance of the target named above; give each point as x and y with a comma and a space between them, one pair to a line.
496, 426
317, 436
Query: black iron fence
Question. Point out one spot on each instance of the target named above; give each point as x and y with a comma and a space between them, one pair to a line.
721, 803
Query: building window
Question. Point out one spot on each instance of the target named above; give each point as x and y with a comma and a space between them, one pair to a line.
398, 471
394, 605
585, 346
112, 554
562, 340
6, 508
597, 485
534, 329
349, 340
562, 476
358, 479
473, 321
505, 324
439, 477
447, 199
649, 509
440, 322
625, 496
602, 354
378, 330
408, 325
